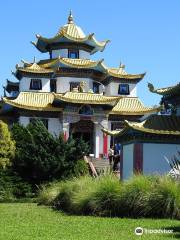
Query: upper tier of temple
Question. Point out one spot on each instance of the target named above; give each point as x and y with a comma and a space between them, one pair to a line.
70, 35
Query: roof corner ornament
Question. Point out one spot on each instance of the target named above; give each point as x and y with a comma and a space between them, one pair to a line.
121, 65
151, 87
70, 18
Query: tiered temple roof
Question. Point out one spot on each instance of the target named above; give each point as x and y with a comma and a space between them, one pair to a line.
52, 66
70, 33
44, 101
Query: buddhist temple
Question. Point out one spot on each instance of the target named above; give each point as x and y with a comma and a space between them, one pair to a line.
72, 93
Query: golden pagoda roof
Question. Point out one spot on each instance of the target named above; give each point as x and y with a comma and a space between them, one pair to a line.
155, 124
72, 33
86, 98
121, 73
33, 101
165, 91
132, 106
77, 63
33, 68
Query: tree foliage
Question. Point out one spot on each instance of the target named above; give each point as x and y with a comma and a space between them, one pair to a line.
42, 157
7, 146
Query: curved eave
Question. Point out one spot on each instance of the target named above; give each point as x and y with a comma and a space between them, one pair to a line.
127, 76
148, 130
22, 106
76, 63
134, 112
165, 91
43, 43
86, 98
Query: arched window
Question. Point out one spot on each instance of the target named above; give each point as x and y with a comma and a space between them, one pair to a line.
86, 110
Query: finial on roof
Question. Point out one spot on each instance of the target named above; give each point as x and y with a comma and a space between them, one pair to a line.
34, 60
70, 18
121, 65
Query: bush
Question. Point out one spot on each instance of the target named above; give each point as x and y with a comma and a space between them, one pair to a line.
164, 199
105, 200
40, 157
7, 146
12, 187
141, 196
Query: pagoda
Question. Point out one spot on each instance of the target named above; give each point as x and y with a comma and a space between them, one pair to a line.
71, 93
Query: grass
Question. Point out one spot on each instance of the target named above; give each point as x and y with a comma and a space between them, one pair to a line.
27, 221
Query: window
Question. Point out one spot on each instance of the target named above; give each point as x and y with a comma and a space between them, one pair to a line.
36, 84
86, 110
73, 54
53, 85
123, 89
95, 87
74, 85
43, 120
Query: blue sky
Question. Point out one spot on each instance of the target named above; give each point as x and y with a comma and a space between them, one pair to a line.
145, 35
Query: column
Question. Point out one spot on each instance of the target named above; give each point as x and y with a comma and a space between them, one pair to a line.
96, 140
66, 131
138, 158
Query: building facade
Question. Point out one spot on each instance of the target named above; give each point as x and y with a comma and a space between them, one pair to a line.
71, 93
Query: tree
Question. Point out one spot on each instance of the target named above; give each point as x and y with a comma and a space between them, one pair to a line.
7, 146
39, 156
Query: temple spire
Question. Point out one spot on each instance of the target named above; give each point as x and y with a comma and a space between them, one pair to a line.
70, 18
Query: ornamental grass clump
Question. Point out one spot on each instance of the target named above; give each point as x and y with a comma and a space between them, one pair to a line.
164, 199
48, 193
105, 200
72, 195
133, 195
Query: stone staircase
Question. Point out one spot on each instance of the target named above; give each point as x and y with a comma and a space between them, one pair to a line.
100, 164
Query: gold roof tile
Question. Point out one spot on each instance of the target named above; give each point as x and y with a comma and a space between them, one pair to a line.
33, 101
86, 98
121, 73
155, 124
34, 68
165, 91
132, 106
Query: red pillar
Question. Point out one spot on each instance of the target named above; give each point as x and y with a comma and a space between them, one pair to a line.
138, 158
105, 144
65, 136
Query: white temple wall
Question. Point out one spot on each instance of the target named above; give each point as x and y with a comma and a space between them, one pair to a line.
63, 83
24, 121
154, 157
64, 53
24, 85
60, 53
54, 124
112, 89
128, 160
84, 55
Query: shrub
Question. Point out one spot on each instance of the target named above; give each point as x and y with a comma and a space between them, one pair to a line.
133, 195
164, 199
40, 157
105, 200
7, 146
12, 187
73, 194
141, 196
48, 193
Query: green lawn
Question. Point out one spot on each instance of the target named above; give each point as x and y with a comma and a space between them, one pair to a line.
27, 221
